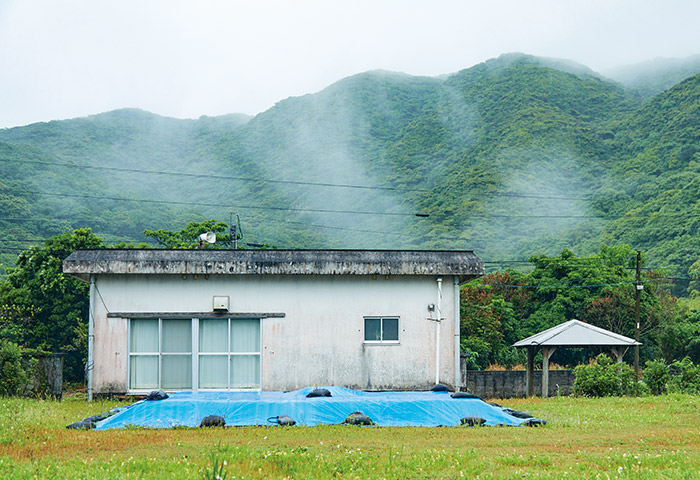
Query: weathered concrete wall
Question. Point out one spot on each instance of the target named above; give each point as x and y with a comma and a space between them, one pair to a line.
47, 379
83, 263
318, 341
512, 383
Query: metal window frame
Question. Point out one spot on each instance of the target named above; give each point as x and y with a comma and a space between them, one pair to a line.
381, 319
194, 353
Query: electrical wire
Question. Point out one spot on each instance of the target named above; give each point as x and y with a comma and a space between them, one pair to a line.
218, 177
222, 205
285, 182
601, 285
313, 210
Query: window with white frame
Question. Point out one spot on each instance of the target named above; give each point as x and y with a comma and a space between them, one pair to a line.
160, 354
229, 353
188, 354
381, 329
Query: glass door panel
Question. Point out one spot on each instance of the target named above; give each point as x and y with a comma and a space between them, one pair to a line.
245, 371
213, 371
177, 372
213, 335
143, 372
245, 335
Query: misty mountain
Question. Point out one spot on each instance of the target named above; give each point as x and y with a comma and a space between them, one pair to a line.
516, 156
654, 76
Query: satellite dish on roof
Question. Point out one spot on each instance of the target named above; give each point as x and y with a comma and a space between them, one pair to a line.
209, 237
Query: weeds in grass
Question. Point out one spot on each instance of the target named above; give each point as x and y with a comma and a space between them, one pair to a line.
648, 437
215, 469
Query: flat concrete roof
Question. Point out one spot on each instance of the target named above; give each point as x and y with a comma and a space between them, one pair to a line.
82, 264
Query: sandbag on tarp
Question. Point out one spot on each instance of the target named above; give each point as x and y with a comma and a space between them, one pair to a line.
89, 423
95, 418
319, 392
464, 395
285, 421
156, 395
81, 425
534, 422
517, 413
472, 421
398, 409
213, 421
358, 418
282, 421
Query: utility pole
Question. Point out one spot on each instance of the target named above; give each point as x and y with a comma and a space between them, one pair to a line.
638, 287
233, 231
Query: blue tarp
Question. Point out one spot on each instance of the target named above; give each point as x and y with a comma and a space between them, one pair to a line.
395, 409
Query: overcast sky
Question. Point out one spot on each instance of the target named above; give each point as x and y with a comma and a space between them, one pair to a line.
71, 58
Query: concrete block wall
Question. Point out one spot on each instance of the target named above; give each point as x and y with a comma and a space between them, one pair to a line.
512, 383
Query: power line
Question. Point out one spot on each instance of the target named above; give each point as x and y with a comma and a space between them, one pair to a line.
601, 285
351, 212
218, 177
289, 209
359, 230
103, 220
220, 205
13, 250
287, 182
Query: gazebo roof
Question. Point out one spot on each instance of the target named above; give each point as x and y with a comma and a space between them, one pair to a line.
576, 333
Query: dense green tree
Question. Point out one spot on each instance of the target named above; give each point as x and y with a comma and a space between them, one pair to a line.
694, 286
500, 309
43, 308
188, 237
680, 337
490, 312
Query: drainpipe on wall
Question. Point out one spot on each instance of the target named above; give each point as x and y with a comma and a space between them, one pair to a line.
458, 373
438, 310
91, 337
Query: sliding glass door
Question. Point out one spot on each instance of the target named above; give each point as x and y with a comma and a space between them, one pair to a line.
245, 354
213, 353
176, 355
191, 354
229, 353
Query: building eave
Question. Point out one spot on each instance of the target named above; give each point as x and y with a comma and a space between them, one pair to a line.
82, 264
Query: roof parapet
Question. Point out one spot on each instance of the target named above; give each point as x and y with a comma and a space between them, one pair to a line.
82, 264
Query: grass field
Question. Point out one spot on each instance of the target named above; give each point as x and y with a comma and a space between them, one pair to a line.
648, 438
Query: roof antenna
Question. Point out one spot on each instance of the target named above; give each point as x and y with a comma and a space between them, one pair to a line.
234, 232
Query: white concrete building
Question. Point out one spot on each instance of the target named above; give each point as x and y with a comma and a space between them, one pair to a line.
272, 319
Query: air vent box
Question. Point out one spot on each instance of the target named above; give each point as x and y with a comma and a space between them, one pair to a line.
221, 303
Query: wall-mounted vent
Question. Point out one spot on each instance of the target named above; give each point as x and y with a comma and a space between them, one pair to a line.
221, 303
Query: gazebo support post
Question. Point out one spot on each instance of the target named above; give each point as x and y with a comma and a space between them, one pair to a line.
546, 353
573, 333
530, 379
618, 352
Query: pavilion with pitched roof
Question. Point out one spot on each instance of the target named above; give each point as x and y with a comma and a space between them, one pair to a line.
573, 333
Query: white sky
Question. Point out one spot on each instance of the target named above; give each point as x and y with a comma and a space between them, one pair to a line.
71, 58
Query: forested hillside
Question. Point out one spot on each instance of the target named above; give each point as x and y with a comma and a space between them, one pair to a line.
513, 157
654, 76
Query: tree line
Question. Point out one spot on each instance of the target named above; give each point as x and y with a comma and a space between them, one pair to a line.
503, 307
41, 309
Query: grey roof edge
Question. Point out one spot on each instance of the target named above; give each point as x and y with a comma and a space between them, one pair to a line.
544, 337
462, 263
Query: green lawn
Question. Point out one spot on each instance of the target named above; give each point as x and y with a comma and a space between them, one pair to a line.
650, 438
